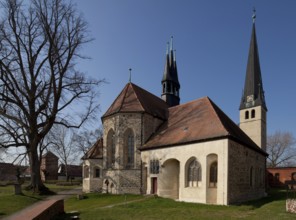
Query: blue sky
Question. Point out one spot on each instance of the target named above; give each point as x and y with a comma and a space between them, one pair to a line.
211, 38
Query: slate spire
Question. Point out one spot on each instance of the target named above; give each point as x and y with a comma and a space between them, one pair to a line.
170, 82
253, 93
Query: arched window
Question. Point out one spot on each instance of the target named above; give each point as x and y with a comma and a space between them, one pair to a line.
129, 152
214, 174
111, 150
193, 173
253, 113
246, 114
86, 172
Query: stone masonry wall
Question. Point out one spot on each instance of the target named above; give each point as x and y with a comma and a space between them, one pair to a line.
291, 205
143, 126
242, 186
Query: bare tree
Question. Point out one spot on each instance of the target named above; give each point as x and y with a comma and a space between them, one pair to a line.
62, 143
281, 149
85, 139
39, 84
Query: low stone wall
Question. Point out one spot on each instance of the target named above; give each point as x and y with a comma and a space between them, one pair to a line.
55, 208
291, 205
44, 210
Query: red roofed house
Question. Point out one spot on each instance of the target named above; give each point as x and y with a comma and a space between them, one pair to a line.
281, 176
190, 152
49, 166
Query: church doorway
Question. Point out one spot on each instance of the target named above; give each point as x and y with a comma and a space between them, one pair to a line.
154, 185
168, 184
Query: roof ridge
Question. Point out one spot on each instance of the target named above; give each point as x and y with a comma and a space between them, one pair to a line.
124, 96
214, 106
186, 103
137, 96
233, 133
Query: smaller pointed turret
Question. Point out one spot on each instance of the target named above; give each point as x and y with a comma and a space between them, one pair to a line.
170, 82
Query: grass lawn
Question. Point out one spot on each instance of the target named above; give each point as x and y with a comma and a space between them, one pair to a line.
10, 203
94, 207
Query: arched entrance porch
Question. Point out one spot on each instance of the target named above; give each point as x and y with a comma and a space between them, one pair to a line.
168, 183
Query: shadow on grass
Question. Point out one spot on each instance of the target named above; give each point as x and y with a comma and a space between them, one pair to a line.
69, 215
272, 195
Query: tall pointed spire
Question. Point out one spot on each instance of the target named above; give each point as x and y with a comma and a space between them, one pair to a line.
170, 82
253, 94
253, 107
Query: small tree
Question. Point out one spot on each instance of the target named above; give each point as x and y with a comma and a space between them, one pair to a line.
39, 85
61, 142
281, 149
85, 139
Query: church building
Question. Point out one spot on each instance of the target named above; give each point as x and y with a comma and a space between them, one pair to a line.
189, 152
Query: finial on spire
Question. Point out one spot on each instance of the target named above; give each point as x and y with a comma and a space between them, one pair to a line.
130, 74
254, 15
174, 55
168, 48
171, 43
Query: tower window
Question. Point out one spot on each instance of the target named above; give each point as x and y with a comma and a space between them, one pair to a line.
247, 115
253, 113
169, 88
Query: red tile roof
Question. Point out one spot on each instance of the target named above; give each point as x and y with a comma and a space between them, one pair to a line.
50, 154
73, 170
95, 152
197, 121
135, 99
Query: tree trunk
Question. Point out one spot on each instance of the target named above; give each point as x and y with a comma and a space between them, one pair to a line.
36, 183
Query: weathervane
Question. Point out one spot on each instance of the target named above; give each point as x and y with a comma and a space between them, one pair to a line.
254, 15
130, 74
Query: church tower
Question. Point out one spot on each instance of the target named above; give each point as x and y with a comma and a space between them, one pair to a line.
170, 82
253, 107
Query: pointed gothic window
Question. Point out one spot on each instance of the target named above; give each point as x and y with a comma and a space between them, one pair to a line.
110, 149
130, 150
194, 173
154, 166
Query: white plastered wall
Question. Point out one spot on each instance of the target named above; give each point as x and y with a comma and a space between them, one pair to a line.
182, 154
92, 183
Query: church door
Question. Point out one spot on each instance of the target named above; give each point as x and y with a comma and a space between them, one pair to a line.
154, 185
